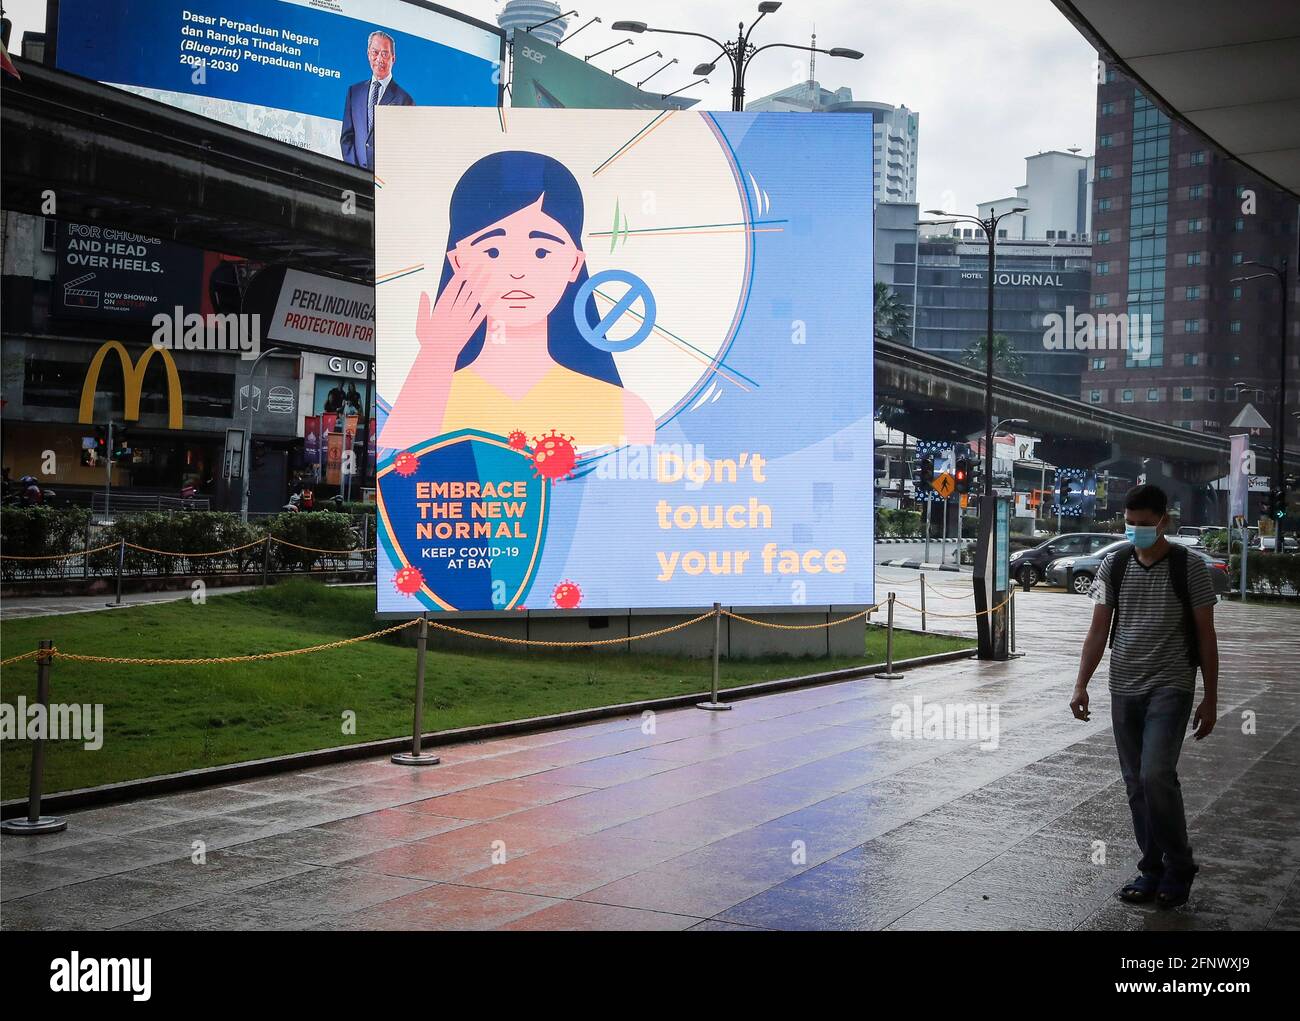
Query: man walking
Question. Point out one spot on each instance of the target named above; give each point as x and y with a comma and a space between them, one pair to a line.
1156, 602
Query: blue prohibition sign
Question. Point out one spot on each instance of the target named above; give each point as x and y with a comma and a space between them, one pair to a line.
598, 336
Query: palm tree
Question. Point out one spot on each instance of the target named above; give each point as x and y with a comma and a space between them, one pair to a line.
893, 319
1007, 362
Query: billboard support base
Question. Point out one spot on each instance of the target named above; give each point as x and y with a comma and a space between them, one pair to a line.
415, 759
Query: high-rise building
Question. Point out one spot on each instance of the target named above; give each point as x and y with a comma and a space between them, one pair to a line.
524, 14
1042, 274
1035, 279
896, 131
1056, 195
1175, 225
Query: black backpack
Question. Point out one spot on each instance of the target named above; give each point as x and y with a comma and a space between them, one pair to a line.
1178, 578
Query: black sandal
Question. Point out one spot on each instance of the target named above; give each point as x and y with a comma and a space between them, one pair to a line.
1175, 890
1141, 889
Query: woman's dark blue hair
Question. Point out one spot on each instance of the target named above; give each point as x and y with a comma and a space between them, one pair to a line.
494, 188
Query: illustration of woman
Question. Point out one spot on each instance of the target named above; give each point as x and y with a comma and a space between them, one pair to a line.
499, 348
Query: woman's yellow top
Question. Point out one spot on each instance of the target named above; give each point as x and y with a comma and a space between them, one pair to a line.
590, 410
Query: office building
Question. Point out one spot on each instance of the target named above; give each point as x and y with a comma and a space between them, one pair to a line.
895, 129
1176, 224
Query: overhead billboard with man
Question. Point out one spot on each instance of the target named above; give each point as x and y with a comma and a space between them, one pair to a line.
302, 71
624, 360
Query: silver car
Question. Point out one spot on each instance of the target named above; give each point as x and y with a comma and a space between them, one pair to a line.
1076, 573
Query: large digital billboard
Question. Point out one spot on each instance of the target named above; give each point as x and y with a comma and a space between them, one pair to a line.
307, 72
543, 75
624, 360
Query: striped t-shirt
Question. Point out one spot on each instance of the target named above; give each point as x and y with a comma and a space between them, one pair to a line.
1150, 648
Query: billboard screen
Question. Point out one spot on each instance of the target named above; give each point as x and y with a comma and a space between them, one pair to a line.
624, 360
301, 71
544, 76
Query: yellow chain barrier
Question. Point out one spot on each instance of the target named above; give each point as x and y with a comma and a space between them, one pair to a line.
206, 660
19, 659
504, 639
214, 553
59, 556
569, 645
933, 589
313, 549
182, 553
801, 627
931, 613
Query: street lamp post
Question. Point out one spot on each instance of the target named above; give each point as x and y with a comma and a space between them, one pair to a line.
1279, 447
992, 621
989, 225
739, 51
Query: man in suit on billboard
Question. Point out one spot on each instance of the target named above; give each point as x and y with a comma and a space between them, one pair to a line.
358, 136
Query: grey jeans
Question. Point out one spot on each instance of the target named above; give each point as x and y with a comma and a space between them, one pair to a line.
1149, 730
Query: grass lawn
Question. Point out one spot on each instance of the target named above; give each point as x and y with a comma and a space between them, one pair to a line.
167, 719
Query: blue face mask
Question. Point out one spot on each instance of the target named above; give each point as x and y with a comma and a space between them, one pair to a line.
1141, 536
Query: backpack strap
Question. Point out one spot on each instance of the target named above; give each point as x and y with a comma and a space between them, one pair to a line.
1178, 556
1118, 565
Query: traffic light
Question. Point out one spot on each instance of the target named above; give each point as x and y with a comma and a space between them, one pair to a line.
962, 475
1065, 488
121, 443
927, 471
94, 451
1275, 505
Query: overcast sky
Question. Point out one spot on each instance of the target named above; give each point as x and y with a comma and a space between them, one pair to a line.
994, 81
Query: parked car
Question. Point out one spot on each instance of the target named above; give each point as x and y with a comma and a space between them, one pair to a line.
1076, 573
1030, 565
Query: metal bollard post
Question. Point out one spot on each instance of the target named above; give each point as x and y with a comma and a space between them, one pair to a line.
1011, 627
35, 822
121, 559
889, 674
713, 704
922, 600
415, 757
266, 558
85, 557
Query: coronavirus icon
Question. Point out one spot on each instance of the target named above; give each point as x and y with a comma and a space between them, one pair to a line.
567, 595
406, 464
407, 580
554, 456
517, 439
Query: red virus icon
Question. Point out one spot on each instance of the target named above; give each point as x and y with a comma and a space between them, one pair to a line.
567, 595
407, 580
405, 464
554, 456
517, 439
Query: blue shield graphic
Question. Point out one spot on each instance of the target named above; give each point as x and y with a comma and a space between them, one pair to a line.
466, 511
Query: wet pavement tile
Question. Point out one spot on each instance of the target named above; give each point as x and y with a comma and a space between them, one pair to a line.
576, 915
442, 907
102, 903
798, 810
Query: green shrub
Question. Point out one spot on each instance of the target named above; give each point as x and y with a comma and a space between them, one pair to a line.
892, 523
1269, 572
318, 530
38, 532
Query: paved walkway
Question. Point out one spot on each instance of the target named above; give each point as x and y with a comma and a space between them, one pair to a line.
800, 810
